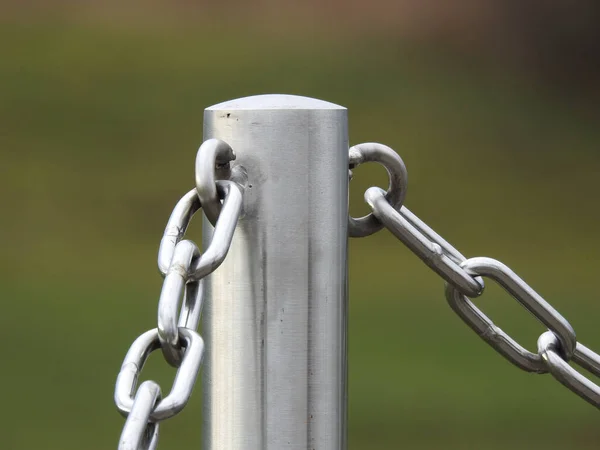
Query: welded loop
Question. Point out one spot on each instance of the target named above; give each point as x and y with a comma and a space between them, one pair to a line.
213, 156
430, 247
176, 228
138, 432
185, 378
174, 288
398, 177
231, 193
526, 296
549, 348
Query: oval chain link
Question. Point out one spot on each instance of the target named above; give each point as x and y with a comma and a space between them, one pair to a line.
463, 279
232, 195
174, 288
184, 381
138, 432
176, 227
527, 297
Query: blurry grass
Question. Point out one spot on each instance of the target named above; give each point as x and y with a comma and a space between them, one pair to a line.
98, 130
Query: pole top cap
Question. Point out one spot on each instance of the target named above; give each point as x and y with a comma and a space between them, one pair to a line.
274, 101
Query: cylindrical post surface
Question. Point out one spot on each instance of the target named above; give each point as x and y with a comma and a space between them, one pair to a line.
275, 316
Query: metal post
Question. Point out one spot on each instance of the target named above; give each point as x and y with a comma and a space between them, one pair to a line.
275, 316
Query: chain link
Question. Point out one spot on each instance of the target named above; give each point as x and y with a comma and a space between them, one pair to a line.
531, 300
184, 267
184, 381
138, 432
174, 288
463, 279
176, 227
207, 263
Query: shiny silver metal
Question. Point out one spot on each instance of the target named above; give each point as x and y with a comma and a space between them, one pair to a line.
527, 297
231, 194
220, 241
430, 247
550, 349
212, 159
138, 432
185, 377
388, 158
176, 227
587, 358
275, 312
175, 288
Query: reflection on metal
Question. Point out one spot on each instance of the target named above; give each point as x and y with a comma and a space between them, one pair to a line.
275, 311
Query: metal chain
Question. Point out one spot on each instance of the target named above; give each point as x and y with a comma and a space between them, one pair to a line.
463, 277
183, 267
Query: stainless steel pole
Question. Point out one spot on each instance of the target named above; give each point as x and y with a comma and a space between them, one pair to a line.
275, 316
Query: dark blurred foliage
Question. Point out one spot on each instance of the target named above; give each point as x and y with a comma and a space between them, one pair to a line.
558, 41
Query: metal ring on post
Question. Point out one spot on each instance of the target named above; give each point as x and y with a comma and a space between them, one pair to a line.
388, 158
550, 350
430, 247
138, 432
176, 227
176, 286
213, 155
185, 377
531, 300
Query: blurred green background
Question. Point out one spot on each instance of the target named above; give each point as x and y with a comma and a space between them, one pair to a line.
497, 120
